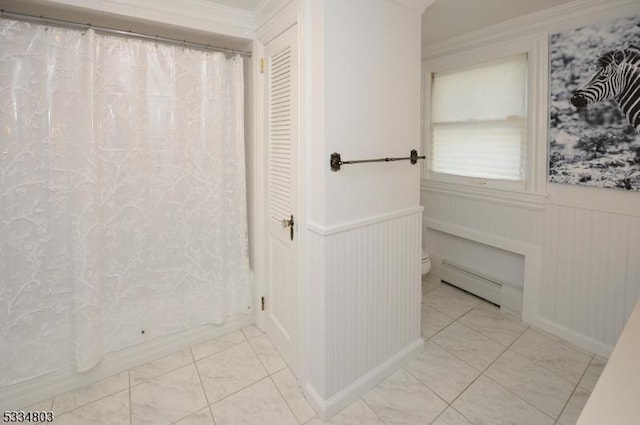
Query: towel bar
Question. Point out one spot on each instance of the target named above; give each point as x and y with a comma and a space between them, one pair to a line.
336, 160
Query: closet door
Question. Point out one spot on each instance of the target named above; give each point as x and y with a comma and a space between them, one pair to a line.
281, 306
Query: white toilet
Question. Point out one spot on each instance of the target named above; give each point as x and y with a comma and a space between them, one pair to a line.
426, 262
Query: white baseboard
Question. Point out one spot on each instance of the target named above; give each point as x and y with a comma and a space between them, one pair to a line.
337, 402
24, 394
576, 338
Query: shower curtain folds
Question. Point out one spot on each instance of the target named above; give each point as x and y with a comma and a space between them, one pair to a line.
122, 195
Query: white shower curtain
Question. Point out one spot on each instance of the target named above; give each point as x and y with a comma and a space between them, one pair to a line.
122, 194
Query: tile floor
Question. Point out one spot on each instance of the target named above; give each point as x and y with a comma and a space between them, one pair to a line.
480, 366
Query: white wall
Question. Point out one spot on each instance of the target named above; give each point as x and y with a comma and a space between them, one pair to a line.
589, 278
371, 106
363, 61
362, 280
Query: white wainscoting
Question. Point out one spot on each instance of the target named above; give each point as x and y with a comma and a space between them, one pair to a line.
590, 276
371, 297
591, 279
520, 224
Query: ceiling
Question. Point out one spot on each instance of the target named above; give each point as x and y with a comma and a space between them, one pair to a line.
448, 18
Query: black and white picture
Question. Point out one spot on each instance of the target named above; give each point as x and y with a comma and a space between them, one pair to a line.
594, 113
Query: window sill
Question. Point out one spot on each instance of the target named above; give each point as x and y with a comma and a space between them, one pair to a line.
514, 198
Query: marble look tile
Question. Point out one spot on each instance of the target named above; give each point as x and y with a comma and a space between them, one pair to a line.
251, 332
203, 417
402, 399
229, 371
159, 367
531, 382
432, 321
562, 341
259, 404
592, 374
573, 409
166, 399
357, 413
468, 345
112, 410
556, 355
451, 301
267, 354
490, 321
90, 393
288, 386
429, 284
38, 407
216, 345
451, 417
486, 402
442, 372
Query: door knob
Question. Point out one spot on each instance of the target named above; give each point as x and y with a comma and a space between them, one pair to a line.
288, 223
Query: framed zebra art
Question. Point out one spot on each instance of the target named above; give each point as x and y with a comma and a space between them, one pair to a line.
594, 110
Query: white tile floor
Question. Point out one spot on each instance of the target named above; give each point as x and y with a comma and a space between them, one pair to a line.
480, 366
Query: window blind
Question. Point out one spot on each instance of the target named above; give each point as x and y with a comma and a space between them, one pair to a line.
478, 120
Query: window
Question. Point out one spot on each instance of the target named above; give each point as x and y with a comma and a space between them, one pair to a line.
478, 121
485, 119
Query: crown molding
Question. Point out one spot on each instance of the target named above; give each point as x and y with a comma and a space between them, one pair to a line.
418, 5
266, 10
272, 17
201, 15
568, 15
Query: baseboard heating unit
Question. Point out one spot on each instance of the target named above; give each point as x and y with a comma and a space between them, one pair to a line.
489, 288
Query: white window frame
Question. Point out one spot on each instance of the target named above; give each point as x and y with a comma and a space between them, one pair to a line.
530, 192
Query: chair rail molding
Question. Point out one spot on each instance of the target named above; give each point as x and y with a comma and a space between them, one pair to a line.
367, 221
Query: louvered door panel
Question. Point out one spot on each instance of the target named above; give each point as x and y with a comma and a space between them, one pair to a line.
280, 135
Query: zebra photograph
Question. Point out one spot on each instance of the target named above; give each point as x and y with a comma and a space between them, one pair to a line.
594, 110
